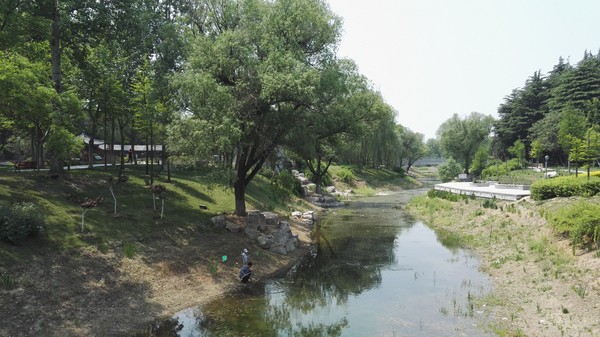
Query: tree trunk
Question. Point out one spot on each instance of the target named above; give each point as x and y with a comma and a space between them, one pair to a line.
55, 60
240, 195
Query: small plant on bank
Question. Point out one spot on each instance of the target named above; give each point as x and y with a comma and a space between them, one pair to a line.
129, 250
490, 203
8, 282
579, 290
213, 267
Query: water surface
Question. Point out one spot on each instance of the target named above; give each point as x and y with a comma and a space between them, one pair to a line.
374, 272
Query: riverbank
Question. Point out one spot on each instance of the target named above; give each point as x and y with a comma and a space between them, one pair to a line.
541, 287
90, 292
125, 272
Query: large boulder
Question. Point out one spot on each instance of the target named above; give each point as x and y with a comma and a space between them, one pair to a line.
219, 221
256, 220
271, 219
283, 234
265, 241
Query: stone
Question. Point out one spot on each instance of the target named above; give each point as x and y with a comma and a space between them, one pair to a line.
265, 241
283, 234
233, 227
253, 234
291, 244
218, 221
271, 218
256, 220
279, 249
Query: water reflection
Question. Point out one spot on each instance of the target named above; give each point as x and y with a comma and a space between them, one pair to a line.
374, 272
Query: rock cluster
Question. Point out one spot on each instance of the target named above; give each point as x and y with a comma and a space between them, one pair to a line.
328, 199
267, 229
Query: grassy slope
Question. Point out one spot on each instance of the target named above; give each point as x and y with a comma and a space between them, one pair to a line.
135, 216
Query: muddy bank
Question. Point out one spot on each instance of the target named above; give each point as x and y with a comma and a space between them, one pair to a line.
99, 291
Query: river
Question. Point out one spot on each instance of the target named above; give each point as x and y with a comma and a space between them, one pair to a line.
374, 272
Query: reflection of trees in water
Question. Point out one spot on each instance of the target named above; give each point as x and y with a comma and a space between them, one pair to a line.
258, 316
348, 261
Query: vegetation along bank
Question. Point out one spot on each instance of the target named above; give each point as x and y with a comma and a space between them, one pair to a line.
542, 257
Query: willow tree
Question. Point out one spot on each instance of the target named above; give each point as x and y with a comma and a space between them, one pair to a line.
254, 68
460, 138
343, 103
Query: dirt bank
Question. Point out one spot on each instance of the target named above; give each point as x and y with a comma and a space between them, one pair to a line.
101, 292
541, 288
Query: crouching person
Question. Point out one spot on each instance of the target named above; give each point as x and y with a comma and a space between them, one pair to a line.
246, 272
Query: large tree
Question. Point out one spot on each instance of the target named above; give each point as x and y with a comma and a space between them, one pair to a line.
460, 138
254, 67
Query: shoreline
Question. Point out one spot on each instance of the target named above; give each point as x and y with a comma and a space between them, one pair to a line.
88, 292
540, 288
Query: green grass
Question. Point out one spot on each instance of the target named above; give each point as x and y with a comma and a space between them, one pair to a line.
369, 180
135, 214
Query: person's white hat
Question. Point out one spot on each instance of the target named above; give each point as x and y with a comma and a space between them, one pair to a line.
245, 250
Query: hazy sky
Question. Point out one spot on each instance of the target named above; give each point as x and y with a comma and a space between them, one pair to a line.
433, 58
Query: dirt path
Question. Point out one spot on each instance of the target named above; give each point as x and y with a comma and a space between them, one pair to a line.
101, 292
540, 287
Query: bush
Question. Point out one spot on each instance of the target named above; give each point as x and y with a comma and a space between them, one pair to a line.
497, 168
288, 182
580, 222
454, 197
449, 170
19, 222
565, 187
346, 175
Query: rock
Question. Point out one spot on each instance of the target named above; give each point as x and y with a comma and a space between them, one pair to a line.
291, 244
256, 220
279, 249
270, 218
253, 234
283, 234
330, 189
218, 221
265, 241
296, 215
233, 227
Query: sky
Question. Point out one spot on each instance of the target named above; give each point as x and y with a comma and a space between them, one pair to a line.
433, 58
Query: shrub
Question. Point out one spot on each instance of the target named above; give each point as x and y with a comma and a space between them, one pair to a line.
565, 187
346, 175
288, 182
497, 168
20, 221
580, 222
433, 193
449, 170
490, 203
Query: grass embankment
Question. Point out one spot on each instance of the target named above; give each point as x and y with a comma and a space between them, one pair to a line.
542, 285
191, 198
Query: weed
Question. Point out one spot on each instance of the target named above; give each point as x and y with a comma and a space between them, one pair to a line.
579, 290
129, 250
490, 203
103, 247
511, 208
8, 282
213, 267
